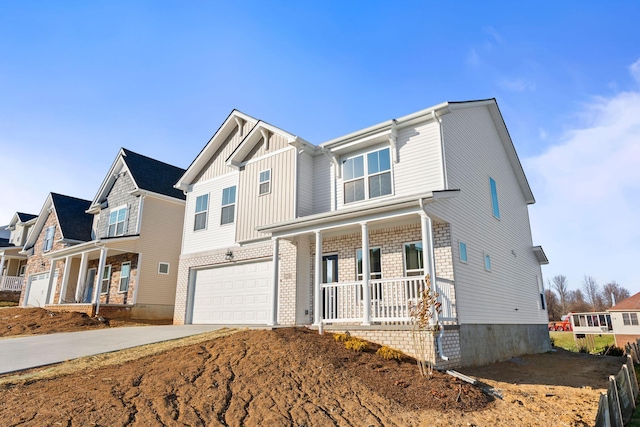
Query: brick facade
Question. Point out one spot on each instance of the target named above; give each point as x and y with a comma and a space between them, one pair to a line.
38, 263
114, 296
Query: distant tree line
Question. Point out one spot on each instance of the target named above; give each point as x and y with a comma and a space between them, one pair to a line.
589, 297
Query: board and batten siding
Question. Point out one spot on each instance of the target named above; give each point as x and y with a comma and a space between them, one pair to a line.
252, 209
217, 165
509, 293
276, 142
214, 236
160, 237
305, 184
323, 184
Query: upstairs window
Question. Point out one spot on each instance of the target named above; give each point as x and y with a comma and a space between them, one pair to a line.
202, 207
487, 262
117, 222
228, 205
48, 238
494, 198
463, 252
265, 182
375, 182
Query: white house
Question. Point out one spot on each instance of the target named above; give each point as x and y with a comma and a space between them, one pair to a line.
280, 231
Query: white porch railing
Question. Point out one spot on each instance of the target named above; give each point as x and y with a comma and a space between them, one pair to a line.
11, 283
390, 300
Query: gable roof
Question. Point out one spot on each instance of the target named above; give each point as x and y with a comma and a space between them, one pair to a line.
234, 119
25, 217
5, 243
146, 173
75, 224
632, 303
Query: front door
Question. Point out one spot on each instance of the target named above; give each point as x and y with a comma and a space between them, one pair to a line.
330, 295
89, 285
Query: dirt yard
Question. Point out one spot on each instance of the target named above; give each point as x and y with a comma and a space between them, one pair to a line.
33, 321
297, 377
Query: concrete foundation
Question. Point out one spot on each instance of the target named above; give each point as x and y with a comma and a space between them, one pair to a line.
120, 311
481, 344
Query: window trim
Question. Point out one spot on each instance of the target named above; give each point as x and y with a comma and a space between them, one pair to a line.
495, 205
261, 182
486, 257
205, 212
404, 260
128, 277
102, 279
366, 175
115, 224
47, 247
464, 260
161, 263
22, 270
223, 206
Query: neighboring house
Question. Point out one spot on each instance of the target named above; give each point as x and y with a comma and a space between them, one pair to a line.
625, 317
13, 264
279, 231
62, 223
127, 265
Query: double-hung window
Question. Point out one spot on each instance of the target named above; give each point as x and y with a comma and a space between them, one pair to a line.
48, 238
117, 222
375, 270
228, 205
125, 273
367, 176
202, 208
630, 319
494, 198
264, 182
106, 279
413, 261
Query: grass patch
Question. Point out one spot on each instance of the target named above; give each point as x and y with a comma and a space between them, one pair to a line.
565, 340
8, 304
91, 363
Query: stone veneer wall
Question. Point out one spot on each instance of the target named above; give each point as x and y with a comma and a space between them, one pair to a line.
114, 296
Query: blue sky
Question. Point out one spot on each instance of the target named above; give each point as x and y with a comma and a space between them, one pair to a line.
79, 80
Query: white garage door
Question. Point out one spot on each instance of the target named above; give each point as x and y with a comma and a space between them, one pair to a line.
38, 284
235, 294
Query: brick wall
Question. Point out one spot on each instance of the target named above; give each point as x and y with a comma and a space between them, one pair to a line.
38, 263
114, 296
622, 340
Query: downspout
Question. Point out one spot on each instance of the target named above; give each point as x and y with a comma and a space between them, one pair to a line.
432, 267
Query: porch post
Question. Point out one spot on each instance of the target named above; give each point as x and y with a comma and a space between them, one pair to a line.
52, 270
366, 292
317, 278
1, 271
65, 278
274, 281
428, 255
82, 276
98, 285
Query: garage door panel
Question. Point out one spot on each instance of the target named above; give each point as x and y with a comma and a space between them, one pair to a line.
236, 294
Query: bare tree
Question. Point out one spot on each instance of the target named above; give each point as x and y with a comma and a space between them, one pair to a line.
592, 293
619, 293
576, 302
553, 308
561, 285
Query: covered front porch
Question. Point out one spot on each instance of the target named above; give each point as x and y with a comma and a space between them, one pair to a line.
12, 269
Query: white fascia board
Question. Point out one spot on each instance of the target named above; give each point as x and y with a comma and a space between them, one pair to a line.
37, 228
87, 247
210, 148
540, 255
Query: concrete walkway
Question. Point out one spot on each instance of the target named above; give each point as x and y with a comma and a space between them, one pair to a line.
30, 352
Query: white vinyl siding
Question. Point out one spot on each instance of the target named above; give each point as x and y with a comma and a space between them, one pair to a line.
305, 195
323, 184
215, 236
474, 151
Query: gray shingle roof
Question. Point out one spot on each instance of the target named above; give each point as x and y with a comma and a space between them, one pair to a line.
75, 224
154, 175
24, 217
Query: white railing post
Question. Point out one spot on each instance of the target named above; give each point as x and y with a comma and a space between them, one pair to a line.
98, 284
366, 292
428, 256
317, 278
2, 271
52, 271
274, 281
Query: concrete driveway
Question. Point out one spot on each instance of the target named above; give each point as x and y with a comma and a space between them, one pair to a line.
29, 352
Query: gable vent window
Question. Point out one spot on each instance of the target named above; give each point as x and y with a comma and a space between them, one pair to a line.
228, 205
48, 238
376, 182
163, 268
265, 182
202, 207
117, 222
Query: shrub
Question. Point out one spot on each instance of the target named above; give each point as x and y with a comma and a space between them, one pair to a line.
356, 344
342, 337
612, 350
583, 349
389, 353
553, 341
